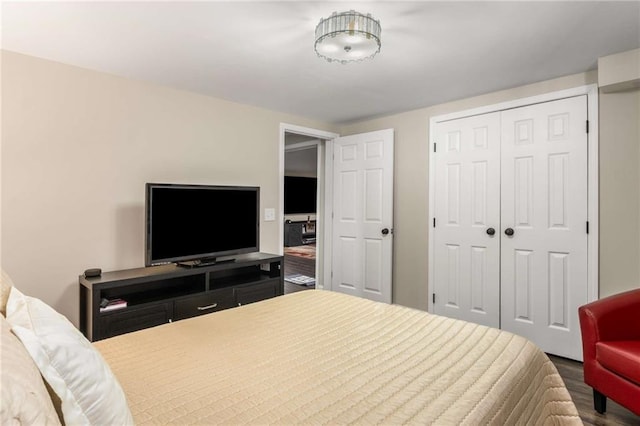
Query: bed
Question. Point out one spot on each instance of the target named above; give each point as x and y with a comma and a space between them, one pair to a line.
320, 357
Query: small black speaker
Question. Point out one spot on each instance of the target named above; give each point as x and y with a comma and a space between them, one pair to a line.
92, 272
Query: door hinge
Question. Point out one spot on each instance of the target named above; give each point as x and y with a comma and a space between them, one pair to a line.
434, 222
587, 227
587, 126
433, 298
434, 147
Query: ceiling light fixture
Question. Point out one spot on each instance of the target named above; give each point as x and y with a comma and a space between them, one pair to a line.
347, 37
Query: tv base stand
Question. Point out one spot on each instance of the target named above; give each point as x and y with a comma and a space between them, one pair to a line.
166, 293
205, 262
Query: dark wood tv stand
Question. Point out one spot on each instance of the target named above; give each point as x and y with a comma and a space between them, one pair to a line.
297, 233
159, 294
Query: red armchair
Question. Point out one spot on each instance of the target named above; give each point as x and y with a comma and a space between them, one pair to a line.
611, 348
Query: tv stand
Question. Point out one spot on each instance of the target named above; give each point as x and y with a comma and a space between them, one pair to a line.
205, 262
159, 294
299, 233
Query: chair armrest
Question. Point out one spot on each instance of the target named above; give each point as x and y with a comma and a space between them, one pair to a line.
615, 317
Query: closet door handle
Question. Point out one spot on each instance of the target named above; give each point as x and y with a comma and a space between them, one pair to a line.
509, 232
491, 231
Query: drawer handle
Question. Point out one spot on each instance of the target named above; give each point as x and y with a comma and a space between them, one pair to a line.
204, 308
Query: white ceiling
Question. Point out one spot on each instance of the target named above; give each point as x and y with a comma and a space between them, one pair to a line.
261, 53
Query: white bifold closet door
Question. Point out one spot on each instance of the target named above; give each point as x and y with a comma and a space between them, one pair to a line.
467, 273
539, 247
544, 201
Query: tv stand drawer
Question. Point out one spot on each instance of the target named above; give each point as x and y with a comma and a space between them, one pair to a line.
255, 292
205, 303
135, 318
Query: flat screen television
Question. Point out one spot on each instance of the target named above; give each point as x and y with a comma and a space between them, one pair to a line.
195, 224
300, 195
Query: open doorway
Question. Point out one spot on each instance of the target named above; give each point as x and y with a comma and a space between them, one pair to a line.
300, 136
301, 211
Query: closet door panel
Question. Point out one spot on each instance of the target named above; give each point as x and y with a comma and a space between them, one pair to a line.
467, 204
544, 202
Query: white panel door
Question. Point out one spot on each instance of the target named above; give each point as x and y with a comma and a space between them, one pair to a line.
362, 225
544, 220
467, 211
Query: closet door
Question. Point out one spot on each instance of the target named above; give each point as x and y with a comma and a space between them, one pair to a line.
544, 223
467, 211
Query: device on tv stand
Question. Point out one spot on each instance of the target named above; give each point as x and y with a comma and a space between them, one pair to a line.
205, 262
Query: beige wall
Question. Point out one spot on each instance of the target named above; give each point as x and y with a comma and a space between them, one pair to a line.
77, 149
301, 162
78, 146
411, 184
620, 71
619, 191
0, 162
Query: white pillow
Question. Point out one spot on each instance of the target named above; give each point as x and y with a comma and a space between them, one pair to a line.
74, 369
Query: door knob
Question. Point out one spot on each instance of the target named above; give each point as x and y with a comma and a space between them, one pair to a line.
385, 231
509, 231
491, 231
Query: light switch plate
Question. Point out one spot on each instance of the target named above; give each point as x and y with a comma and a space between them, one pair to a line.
269, 215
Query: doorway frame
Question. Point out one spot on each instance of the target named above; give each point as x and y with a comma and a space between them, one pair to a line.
593, 142
323, 227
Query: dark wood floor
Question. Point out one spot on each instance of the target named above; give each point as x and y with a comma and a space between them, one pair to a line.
298, 265
571, 372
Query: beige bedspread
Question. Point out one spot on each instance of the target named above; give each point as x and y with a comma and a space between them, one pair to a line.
322, 357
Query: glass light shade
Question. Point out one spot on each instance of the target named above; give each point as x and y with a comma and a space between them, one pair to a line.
348, 37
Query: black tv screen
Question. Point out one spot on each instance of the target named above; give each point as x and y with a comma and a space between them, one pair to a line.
196, 222
300, 195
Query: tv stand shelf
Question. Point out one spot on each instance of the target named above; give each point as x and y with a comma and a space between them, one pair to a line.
159, 294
